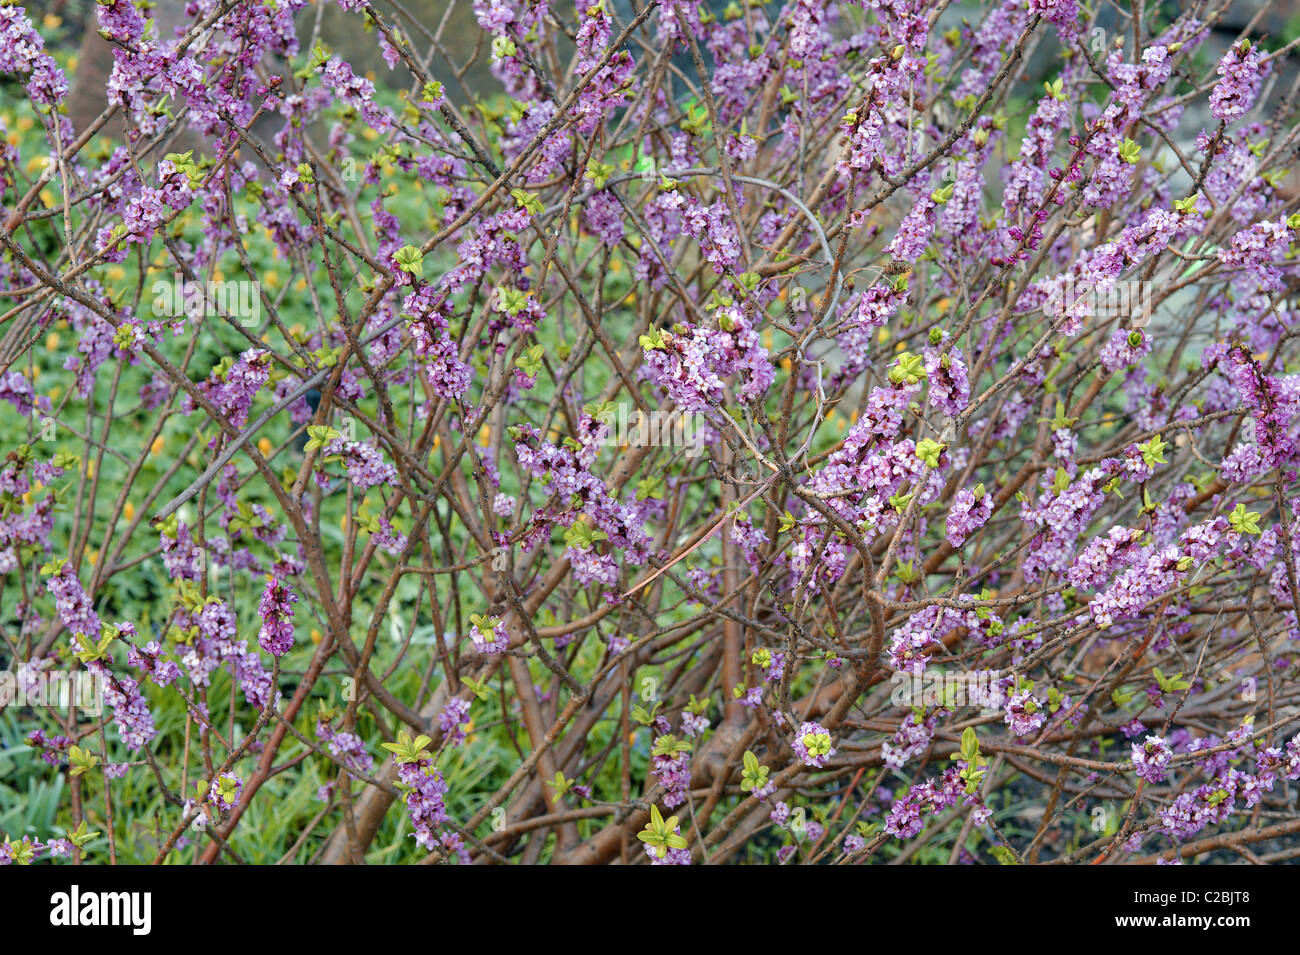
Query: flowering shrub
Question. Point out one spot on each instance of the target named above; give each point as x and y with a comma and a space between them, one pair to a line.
329, 457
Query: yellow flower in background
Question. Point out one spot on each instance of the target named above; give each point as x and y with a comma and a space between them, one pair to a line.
129, 511
264, 446
52, 341
157, 446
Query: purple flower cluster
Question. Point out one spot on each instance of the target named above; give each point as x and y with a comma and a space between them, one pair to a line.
232, 390
452, 720
1023, 712
276, 610
496, 640
131, 716
1151, 759
365, 464
225, 790
949, 382
970, 511
1242, 72
905, 818
671, 767
690, 365
812, 744
72, 602
348, 748
22, 51
425, 789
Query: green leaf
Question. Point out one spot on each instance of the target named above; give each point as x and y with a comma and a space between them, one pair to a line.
1061, 421
1244, 521
410, 260
643, 716
582, 536
1170, 684
560, 784
669, 745
407, 750
81, 761
530, 362
928, 451
319, 435
654, 339
659, 835
907, 572
909, 370
651, 486
900, 501
81, 835
1004, 855
510, 300
503, 47
528, 200
599, 173
1153, 452
53, 566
